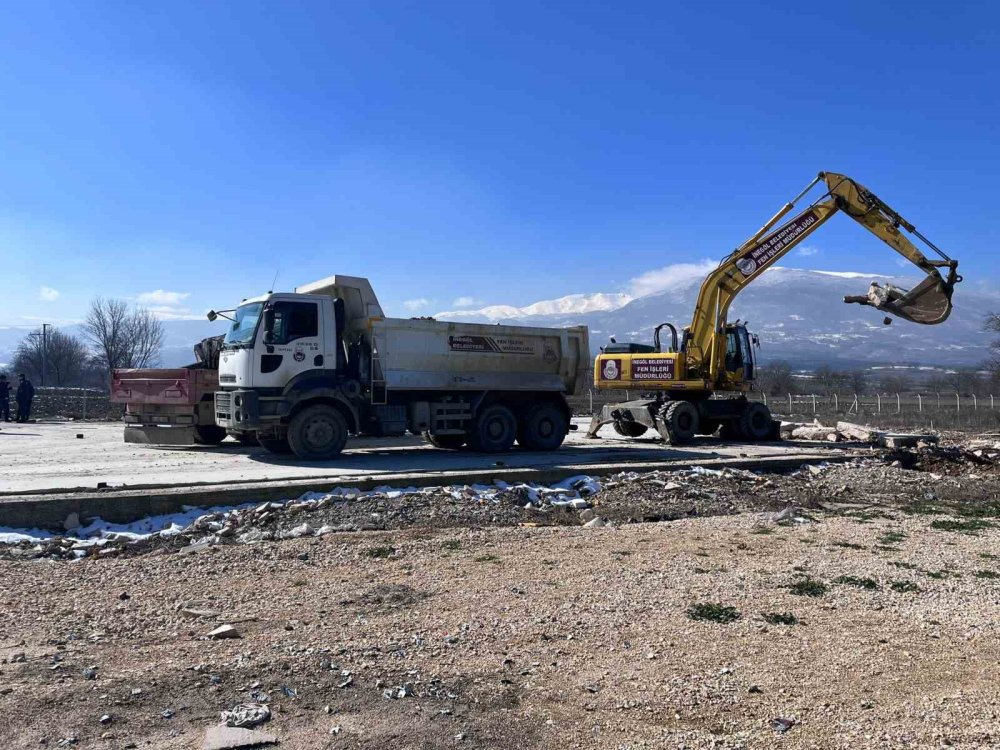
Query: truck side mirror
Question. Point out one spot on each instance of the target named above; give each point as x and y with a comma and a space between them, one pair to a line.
269, 325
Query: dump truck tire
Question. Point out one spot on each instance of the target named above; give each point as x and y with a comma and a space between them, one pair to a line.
755, 422
278, 446
493, 430
680, 421
209, 434
446, 442
629, 429
317, 433
543, 427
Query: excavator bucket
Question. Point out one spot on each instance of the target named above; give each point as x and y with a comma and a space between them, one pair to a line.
928, 303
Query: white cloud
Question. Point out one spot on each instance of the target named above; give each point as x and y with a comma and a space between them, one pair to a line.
162, 297
466, 302
416, 304
48, 294
168, 312
808, 250
676, 276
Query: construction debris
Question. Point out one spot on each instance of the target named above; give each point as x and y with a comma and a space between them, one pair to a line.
851, 432
230, 738
246, 715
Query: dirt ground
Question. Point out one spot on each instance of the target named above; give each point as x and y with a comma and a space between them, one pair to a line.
699, 618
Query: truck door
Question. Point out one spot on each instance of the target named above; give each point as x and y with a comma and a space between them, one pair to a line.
291, 343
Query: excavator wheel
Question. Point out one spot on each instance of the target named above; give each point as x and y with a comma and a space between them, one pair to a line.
755, 421
679, 420
629, 429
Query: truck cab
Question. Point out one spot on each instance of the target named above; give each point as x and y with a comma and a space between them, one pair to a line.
276, 337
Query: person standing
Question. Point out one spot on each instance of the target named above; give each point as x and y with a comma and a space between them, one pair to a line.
25, 393
4, 397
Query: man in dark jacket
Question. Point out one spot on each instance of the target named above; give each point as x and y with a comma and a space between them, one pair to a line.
25, 392
4, 397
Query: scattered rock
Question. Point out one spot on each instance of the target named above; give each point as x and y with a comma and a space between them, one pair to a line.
89, 673
224, 631
595, 523
72, 521
781, 724
229, 738
246, 715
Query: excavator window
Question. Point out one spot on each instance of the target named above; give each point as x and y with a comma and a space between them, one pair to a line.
746, 348
734, 355
739, 352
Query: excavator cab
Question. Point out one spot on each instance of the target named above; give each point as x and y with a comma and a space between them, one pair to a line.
740, 363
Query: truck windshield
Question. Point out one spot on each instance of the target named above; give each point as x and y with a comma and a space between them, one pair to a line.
243, 328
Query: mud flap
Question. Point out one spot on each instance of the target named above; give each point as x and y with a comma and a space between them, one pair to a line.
928, 303
154, 435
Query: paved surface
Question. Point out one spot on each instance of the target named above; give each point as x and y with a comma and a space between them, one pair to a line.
52, 475
48, 458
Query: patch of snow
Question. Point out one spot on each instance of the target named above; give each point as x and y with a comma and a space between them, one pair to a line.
572, 491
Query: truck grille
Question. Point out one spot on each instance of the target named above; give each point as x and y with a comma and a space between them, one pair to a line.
228, 378
223, 404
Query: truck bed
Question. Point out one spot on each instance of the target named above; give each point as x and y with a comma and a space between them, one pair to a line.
162, 387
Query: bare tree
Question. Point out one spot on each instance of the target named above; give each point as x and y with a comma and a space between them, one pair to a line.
123, 336
65, 358
145, 334
993, 363
829, 379
894, 382
857, 381
776, 379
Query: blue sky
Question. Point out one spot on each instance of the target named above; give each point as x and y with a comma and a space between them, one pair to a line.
182, 154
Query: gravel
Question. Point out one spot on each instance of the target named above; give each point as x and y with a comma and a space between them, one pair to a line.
538, 632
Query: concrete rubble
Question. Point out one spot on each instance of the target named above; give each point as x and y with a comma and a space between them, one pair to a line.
853, 433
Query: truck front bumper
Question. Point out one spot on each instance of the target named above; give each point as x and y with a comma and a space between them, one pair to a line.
237, 410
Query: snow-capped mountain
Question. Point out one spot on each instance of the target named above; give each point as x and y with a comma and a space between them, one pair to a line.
799, 315
571, 304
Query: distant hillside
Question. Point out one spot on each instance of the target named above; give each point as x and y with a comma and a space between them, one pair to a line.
800, 317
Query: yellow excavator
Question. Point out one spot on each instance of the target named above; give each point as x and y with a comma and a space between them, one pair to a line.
698, 385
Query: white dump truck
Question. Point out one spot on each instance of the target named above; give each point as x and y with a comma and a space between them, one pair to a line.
304, 370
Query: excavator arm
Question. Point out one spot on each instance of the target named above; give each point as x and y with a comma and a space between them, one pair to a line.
928, 303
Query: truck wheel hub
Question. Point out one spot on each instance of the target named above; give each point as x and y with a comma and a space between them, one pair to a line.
318, 432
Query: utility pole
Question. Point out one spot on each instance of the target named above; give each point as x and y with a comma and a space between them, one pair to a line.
45, 346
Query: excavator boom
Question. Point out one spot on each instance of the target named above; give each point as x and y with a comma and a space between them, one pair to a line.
928, 303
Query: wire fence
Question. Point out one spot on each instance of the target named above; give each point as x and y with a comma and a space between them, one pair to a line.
74, 403
933, 410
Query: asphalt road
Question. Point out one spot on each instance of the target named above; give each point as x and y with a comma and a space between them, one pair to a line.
51, 457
